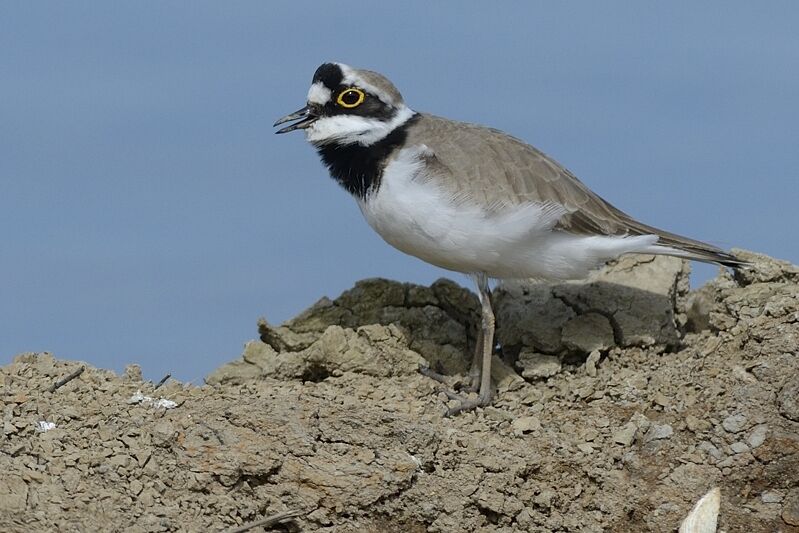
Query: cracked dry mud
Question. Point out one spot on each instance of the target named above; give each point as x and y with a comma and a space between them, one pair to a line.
637, 397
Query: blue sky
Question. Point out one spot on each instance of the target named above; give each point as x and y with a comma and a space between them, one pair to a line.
148, 213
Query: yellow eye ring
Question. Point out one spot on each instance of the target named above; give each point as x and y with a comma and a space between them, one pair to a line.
350, 98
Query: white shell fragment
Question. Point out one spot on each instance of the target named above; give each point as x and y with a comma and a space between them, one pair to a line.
138, 397
705, 514
42, 426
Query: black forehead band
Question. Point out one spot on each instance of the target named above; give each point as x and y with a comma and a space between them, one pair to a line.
330, 75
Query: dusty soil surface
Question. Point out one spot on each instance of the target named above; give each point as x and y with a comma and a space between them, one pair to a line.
621, 401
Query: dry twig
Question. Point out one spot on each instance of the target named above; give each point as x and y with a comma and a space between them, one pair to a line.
163, 380
268, 521
60, 383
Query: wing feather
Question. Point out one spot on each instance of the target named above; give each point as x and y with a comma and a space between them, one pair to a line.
493, 169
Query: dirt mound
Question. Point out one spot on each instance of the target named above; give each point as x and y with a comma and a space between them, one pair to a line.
622, 400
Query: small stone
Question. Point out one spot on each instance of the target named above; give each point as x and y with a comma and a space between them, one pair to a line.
497, 415
163, 433
758, 436
136, 487
537, 365
641, 421
591, 362
658, 432
788, 400
711, 450
724, 464
626, 434
772, 496
532, 396
661, 400
525, 424
590, 435
585, 448
734, 423
320, 516
544, 498
711, 346
132, 373
790, 509
505, 378
740, 373
695, 424
739, 447
147, 497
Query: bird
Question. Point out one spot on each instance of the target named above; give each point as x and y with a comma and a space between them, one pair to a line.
468, 198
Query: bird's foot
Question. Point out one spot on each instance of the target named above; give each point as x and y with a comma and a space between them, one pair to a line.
432, 374
466, 404
454, 382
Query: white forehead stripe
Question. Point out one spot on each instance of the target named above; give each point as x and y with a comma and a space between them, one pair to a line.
318, 94
351, 78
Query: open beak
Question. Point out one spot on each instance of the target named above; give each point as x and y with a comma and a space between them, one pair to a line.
305, 117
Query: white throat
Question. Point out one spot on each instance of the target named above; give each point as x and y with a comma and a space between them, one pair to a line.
351, 129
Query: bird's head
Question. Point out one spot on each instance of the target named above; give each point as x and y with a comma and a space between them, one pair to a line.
348, 106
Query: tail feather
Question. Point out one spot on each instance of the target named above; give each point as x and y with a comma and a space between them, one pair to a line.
710, 255
686, 248
604, 218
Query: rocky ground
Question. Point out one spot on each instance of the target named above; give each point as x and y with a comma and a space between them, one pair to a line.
621, 401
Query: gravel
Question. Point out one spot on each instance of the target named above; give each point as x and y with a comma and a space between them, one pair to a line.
326, 417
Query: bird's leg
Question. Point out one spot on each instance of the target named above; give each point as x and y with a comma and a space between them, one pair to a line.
487, 338
475, 370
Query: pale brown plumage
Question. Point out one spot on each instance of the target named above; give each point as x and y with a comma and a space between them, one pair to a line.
496, 169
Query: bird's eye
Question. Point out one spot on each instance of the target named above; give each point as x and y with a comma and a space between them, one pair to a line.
350, 98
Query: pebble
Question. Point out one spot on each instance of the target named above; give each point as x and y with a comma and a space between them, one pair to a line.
590, 434
788, 400
602, 422
626, 434
661, 400
696, 424
758, 436
525, 424
641, 421
497, 415
544, 498
658, 432
132, 373
772, 496
136, 487
711, 450
585, 448
790, 509
734, 423
725, 464
739, 447
536, 365
591, 362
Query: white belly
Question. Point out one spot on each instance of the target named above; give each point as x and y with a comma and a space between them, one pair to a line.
419, 217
